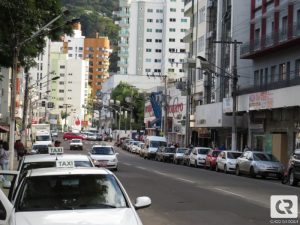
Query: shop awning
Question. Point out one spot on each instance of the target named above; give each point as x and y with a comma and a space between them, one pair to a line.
4, 128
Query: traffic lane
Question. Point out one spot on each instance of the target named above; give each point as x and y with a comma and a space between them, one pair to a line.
179, 202
258, 191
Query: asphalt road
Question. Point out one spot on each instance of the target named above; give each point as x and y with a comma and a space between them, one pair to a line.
183, 195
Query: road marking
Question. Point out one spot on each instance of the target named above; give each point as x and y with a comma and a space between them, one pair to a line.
160, 173
140, 167
185, 180
229, 192
127, 164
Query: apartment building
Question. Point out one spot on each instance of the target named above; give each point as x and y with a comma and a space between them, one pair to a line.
210, 78
270, 98
151, 37
97, 51
5, 74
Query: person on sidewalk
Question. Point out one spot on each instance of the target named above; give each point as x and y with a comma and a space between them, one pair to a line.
20, 149
4, 158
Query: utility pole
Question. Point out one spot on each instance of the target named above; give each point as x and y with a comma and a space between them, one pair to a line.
166, 108
187, 115
25, 105
234, 91
66, 115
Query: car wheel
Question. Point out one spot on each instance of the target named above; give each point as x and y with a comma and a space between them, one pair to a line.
196, 164
237, 171
189, 163
292, 179
252, 173
225, 169
217, 168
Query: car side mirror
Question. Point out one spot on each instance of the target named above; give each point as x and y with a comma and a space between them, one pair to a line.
142, 202
117, 153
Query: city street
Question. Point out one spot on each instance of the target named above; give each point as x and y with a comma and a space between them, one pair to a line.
182, 195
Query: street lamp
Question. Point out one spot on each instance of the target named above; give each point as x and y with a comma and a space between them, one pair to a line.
16, 52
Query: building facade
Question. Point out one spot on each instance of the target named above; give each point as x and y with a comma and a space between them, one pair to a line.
270, 96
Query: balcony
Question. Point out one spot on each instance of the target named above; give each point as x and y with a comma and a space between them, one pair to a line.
188, 8
124, 33
270, 86
123, 24
271, 42
188, 38
123, 14
123, 53
123, 44
122, 64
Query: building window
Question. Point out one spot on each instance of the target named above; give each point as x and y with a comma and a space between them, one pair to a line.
159, 21
148, 60
61, 91
183, 30
284, 24
158, 30
148, 49
181, 70
148, 40
172, 9
297, 68
148, 70
171, 70
149, 10
149, 20
282, 71
157, 60
157, 70
171, 39
158, 40
70, 55
273, 74
157, 50
261, 77
183, 20
171, 60
172, 29
70, 48
159, 11
172, 20
61, 66
182, 50
266, 76
61, 82
171, 49
298, 19
149, 30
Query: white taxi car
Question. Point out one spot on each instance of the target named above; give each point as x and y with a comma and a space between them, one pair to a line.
104, 156
76, 144
70, 196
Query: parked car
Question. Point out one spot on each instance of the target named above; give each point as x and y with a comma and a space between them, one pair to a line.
104, 156
226, 161
152, 143
165, 154
133, 146
71, 135
259, 163
198, 155
186, 157
178, 156
54, 133
211, 158
76, 144
107, 137
139, 147
294, 168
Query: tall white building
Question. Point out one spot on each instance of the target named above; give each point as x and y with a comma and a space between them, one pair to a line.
152, 35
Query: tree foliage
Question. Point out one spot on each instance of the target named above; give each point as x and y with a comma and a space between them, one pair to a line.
123, 92
20, 19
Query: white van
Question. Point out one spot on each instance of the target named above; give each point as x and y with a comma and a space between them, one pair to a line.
151, 145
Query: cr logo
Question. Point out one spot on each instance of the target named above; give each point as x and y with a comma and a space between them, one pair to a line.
284, 206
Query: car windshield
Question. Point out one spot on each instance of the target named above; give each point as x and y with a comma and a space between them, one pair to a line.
233, 155
203, 151
264, 157
181, 150
156, 144
43, 138
103, 151
76, 141
40, 147
69, 192
135, 143
170, 150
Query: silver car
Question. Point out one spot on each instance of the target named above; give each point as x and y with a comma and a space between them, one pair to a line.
259, 163
178, 157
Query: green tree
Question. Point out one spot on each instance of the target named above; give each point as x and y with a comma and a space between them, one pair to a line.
137, 103
20, 19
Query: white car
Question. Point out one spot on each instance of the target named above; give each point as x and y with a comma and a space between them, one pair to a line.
70, 196
133, 146
76, 144
198, 155
226, 161
104, 156
139, 147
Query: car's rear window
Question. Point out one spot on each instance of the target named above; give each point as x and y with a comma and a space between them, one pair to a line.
103, 151
203, 151
233, 155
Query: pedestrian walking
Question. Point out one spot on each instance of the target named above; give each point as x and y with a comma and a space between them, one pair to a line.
20, 149
4, 158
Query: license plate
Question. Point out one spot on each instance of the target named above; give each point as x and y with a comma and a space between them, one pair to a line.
272, 174
103, 164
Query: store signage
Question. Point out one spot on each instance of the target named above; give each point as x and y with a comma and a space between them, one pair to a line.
175, 107
260, 100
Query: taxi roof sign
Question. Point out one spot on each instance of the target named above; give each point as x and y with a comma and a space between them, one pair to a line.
55, 150
65, 164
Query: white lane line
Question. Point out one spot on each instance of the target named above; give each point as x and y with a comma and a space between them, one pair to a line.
229, 192
185, 180
160, 173
142, 168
